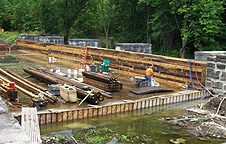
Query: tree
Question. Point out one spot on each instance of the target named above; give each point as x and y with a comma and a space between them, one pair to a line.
129, 21
5, 14
163, 29
198, 21
66, 12
105, 15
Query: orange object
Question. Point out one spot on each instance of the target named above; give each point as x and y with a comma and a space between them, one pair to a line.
2, 30
149, 71
12, 85
83, 60
76, 67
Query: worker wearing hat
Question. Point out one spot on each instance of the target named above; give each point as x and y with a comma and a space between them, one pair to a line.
148, 74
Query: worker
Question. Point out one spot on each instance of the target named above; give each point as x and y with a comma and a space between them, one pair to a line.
148, 74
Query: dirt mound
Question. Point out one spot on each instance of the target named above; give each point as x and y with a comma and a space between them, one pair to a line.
214, 104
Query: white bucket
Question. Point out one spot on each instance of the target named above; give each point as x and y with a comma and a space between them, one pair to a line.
75, 73
69, 72
80, 71
50, 59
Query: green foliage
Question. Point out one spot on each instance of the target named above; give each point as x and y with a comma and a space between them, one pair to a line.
174, 27
201, 120
8, 58
104, 135
9, 38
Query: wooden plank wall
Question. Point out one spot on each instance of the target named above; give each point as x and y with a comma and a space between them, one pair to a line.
165, 68
81, 113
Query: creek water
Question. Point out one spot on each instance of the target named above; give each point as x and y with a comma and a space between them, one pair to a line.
145, 121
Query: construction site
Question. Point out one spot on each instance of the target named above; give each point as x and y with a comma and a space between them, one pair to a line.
66, 83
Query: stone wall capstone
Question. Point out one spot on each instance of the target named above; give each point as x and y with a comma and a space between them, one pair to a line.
43, 38
134, 47
84, 42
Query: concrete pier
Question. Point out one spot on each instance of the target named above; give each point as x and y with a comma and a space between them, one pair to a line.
11, 131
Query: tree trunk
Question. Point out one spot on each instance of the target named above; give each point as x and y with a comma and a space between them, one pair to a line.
184, 41
170, 42
148, 25
106, 34
106, 27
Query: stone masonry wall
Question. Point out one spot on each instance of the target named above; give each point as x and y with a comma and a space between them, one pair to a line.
134, 47
216, 70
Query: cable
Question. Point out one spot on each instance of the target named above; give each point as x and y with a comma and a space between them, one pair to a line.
200, 82
191, 75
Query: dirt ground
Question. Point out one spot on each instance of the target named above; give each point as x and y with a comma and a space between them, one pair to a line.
204, 120
38, 60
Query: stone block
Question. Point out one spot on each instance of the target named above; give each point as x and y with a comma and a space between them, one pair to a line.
217, 85
224, 88
210, 73
223, 76
211, 65
213, 59
217, 75
134, 47
208, 84
221, 66
218, 92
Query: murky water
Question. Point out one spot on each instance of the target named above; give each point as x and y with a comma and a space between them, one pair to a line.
138, 120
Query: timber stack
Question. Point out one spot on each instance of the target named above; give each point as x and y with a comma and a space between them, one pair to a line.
101, 81
82, 89
25, 86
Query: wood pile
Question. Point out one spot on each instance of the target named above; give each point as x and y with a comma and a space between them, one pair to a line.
102, 81
82, 89
26, 87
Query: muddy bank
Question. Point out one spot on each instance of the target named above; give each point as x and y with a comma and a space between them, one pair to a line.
204, 120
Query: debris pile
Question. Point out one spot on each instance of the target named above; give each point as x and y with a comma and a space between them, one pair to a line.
204, 120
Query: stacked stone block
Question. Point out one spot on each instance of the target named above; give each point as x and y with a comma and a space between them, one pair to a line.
84, 42
216, 70
134, 47
43, 38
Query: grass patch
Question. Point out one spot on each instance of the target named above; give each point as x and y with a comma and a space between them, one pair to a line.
105, 135
9, 58
9, 38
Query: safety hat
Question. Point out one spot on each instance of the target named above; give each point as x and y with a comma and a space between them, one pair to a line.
150, 67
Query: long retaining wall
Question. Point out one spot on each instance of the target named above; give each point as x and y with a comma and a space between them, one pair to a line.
73, 114
165, 68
